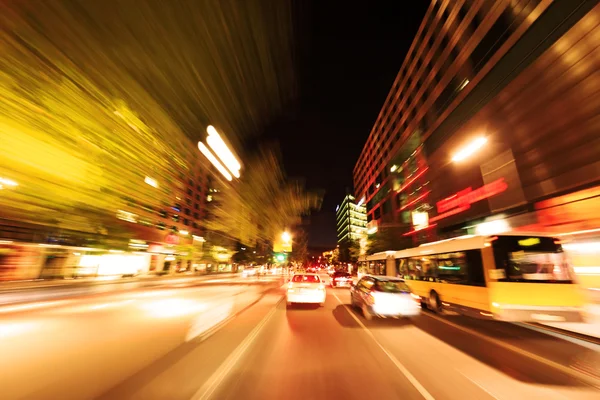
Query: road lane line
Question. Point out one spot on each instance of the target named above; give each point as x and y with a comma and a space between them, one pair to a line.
212, 384
411, 378
589, 379
479, 386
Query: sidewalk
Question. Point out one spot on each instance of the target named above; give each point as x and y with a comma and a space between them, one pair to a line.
589, 328
18, 292
55, 283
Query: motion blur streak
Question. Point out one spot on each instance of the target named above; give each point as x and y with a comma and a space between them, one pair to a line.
107, 337
111, 89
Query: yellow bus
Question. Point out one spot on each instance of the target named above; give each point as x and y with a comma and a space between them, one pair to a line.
504, 277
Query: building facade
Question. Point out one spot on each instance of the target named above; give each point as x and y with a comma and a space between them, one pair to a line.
351, 219
492, 116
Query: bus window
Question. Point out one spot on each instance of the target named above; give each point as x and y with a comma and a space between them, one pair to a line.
414, 269
429, 265
425, 268
475, 270
402, 267
452, 268
531, 259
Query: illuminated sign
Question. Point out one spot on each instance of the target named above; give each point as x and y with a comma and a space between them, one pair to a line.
420, 220
529, 242
172, 239
463, 199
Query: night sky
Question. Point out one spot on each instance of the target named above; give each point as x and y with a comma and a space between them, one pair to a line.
348, 54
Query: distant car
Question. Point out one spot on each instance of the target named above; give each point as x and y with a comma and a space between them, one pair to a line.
306, 288
250, 271
384, 296
341, 279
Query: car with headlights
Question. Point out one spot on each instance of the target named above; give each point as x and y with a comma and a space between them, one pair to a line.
306, 288
341, 279
249, 271
383, 296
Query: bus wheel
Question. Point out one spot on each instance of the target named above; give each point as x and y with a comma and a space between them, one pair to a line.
434, 302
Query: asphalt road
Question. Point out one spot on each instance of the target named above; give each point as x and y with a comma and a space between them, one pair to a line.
79, 347
153, 344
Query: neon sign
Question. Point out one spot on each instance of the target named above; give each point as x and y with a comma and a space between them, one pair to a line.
462, 200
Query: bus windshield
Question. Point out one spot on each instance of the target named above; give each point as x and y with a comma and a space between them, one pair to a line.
531, 259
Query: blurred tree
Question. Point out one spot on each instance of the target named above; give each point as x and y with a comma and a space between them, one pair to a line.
353, 250
388, 238
97, 95
263, 203
300, 247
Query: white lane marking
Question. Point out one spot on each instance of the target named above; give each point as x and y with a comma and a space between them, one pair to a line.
478, 385
411, 378
209, 387
32, 306
591, 380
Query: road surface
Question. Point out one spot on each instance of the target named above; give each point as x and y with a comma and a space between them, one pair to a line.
152, 344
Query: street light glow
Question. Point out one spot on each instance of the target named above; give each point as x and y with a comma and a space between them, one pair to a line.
217, 145
204, 150
286, 237
393, 168
184, 233
469, 149
8, 182
151, 182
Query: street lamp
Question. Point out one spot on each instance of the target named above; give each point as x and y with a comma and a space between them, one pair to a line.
151, 182
469, 149
217, 145
286, 237
204, 150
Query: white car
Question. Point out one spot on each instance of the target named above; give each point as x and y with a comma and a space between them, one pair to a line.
306, 288
250, 271
384, 296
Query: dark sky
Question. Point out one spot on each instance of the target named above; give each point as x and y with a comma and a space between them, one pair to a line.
348, 54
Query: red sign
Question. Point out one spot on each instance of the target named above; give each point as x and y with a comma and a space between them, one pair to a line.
463, 199
172, 239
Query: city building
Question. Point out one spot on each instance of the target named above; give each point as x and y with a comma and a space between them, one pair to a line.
351, 219
491, 123
162, 228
